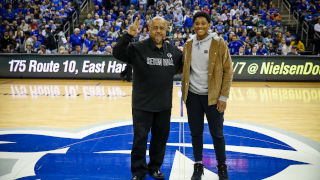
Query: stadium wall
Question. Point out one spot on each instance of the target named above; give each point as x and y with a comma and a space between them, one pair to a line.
246, 68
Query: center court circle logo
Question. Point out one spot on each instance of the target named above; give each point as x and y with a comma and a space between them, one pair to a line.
103, 151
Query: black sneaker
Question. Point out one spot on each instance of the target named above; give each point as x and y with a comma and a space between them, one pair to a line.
157, 174
222, 172
197, 172
138, 177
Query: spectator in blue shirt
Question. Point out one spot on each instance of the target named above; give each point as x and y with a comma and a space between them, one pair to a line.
97, 10
261, 50
35, 31
234, 45
9, 15
188, 23
176, 23
267, 40
248, 49
113, 15
2, 10
98, 2
122, 16
41, 37
109, 20
102, 34
21, 10
302, 6
289, 37
268, 22
220, 27
169, 16
63, 15
313, 8
60, 6
82, 29
36, 43
102, 46
76, 38
88, 42
244, 36
109, 38
43, 6
273, 8
55, 2
308, 17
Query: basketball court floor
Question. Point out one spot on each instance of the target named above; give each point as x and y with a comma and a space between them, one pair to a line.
82, 129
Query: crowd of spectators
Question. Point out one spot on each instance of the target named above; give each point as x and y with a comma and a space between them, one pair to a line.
31, 26
252, 27
309, 11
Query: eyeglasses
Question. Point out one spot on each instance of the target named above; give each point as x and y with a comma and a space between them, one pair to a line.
155, 28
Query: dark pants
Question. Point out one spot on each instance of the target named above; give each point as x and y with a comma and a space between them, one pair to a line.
197, 106
143, 121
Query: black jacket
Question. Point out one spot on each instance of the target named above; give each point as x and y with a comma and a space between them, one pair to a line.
153, 68
51, 42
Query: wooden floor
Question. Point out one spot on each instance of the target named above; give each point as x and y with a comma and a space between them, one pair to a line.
82, 129
294, 107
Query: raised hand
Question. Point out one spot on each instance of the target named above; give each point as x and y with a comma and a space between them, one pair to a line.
134, 27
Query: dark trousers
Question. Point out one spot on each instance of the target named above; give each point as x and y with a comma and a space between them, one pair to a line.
197, 106
143, 121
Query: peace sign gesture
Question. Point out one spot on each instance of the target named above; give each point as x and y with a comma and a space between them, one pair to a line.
134, 27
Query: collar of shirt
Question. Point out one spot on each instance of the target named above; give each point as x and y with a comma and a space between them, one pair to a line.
154, 47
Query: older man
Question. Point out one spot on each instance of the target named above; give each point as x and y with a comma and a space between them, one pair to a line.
76, 38
154, 62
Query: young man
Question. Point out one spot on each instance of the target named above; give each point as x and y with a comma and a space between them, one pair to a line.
206, 81
154, 63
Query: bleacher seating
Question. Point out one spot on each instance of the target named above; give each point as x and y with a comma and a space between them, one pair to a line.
34, 26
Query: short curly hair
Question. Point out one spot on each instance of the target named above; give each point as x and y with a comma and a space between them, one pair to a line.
201, 14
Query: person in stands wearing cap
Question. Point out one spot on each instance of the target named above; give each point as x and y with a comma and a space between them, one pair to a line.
50, 41
294, 51
298, 43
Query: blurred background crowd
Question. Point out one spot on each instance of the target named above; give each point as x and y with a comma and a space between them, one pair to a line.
251, 27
